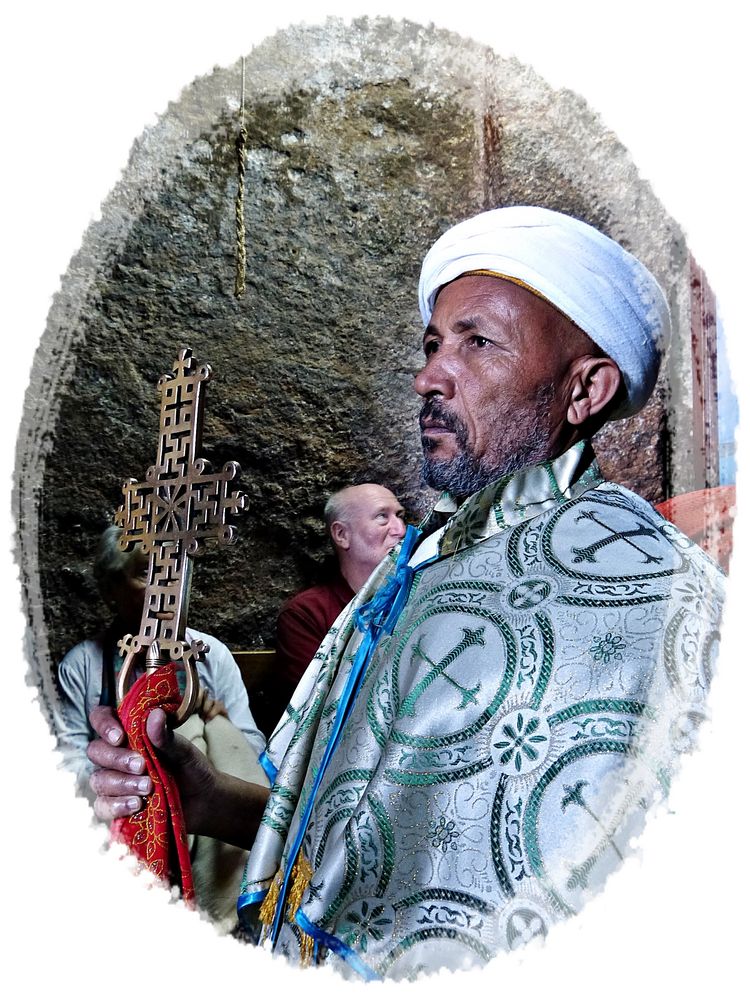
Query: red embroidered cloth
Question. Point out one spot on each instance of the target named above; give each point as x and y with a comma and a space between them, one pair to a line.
156, 834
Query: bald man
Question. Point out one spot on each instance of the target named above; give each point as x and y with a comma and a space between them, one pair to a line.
364, 522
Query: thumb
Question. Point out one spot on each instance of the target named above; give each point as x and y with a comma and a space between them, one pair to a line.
157, 729
176, 750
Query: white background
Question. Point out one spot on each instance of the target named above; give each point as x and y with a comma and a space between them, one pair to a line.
80, 82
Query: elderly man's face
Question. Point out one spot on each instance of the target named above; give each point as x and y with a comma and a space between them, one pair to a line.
496, 358
371, 525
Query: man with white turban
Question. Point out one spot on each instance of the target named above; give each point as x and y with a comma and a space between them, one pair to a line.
472, 749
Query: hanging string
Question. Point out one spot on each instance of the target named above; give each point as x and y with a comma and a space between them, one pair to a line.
239, 204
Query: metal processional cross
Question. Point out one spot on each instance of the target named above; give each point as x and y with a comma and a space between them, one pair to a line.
181, 505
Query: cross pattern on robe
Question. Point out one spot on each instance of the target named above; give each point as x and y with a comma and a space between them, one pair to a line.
181, 505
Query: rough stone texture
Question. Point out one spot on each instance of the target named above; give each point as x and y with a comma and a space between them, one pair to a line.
365, 143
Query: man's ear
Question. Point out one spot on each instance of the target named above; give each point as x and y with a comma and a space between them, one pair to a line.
340, 534
593, 382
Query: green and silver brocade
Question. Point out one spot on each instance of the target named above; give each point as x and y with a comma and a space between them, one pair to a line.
551, 664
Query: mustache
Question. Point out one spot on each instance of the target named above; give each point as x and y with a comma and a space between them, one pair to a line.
438, 415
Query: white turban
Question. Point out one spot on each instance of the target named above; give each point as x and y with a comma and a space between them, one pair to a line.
597, 284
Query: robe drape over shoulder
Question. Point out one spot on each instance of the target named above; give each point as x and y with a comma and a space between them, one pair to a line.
479, 737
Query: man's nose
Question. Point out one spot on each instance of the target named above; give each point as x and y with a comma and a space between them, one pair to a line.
437, 377
398, 528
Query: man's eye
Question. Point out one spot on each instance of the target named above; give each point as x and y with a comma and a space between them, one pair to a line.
478, 341
430, 347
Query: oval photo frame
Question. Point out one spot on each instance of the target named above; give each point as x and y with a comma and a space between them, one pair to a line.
396, 446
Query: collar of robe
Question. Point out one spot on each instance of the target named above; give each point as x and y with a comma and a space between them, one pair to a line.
516, 498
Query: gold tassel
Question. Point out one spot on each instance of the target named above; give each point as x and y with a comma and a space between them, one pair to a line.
268, 906
301, 875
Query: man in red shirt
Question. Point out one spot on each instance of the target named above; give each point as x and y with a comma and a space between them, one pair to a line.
365, 522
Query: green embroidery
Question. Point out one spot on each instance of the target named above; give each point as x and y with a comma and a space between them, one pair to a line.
310, 719
497, 510
708, 653
604, 500
444, 834
554, 485
285, 793
624, 729
529, 594
593, 705
574, 796
522, 739
380, 699
671, 661
607, 647
360, 774
685, 646
369, 851
589, 553
351, 864
512, 554
444, 895
334, 820
545, 671
522, 926
387, 840
496, 826
420, 759
531, 816
281, 828
512, 821
472, 637
438, 778
446, 933
365, 923
467, 526
603, 602
507, 634
527, 656
454, 589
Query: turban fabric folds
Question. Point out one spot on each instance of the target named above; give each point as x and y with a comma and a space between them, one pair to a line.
586, 275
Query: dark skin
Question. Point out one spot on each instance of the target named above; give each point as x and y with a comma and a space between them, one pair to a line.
214, 804
489, 347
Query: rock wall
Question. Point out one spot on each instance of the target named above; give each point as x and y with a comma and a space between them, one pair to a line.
365, 142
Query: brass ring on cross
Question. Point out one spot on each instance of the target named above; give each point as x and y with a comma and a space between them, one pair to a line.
154, 659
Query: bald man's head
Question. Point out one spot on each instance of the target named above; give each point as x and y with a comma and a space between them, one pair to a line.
365, 522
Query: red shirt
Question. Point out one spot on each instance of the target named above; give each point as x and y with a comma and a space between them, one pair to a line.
302, 625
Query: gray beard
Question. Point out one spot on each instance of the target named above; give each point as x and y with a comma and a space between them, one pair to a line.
464, 474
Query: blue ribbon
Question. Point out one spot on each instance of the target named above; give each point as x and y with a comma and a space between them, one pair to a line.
320, 936
375, 618
381, 612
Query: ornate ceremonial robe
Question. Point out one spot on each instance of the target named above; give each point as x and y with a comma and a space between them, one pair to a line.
468, 765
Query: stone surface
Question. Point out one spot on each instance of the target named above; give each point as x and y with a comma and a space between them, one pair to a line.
365, 143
